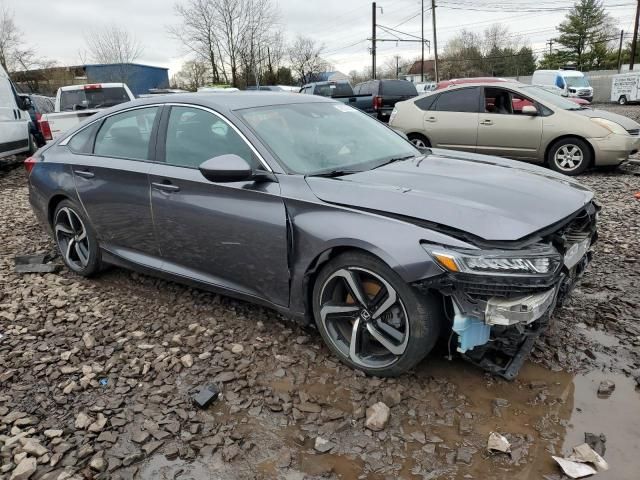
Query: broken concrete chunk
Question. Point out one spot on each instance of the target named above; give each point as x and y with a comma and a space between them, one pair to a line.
88, 340
497, 442
25, 469
597, 442
322, 445
83, 421
574, 469
377, 417
606, 388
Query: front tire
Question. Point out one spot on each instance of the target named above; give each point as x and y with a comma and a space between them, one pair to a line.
370, 318
570, 156
419, 141
622, 100
76, 239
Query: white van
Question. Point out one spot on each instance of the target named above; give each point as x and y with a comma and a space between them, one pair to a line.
14, 120
571, 83
625, 87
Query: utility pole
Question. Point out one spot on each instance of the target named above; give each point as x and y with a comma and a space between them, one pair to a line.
620, 51
422, 58
373, 40
397, 66
634, 41
435, 38
550, 43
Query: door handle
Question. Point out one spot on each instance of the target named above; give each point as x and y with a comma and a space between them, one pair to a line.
84, 173
431, 119
486, 122
165, 187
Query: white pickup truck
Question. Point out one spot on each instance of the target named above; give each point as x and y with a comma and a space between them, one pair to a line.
74, 103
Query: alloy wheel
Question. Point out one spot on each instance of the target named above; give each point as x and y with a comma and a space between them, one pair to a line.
364, 317
419, 143
569, 157
71, 236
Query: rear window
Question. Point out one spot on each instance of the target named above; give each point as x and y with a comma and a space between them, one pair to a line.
334, 90
92, 98
463, 100
397, 87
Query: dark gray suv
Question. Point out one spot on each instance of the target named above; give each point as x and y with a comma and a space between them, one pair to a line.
321, 212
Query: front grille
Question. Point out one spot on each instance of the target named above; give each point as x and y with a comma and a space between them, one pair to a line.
634, 132
487, 290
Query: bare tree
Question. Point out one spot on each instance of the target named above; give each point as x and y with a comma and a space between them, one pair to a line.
198, 33
112, 44
192, 75
304, 55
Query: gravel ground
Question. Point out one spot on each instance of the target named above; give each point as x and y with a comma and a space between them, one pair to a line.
96, 377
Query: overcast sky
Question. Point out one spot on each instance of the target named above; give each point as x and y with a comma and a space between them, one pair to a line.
56, 28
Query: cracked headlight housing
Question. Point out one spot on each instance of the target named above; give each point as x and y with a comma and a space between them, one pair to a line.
538, 260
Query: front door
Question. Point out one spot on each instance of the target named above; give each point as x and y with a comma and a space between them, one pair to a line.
452, 121
504, 130
110, 166
14, 123
231, 235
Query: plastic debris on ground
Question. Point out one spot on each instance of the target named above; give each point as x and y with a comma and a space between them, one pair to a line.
38, 263
497, 442
205, 396
574, 469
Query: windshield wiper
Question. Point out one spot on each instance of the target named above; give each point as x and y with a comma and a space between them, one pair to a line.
395, 159
333, 173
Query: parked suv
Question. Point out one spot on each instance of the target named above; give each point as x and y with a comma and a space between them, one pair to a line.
386, 93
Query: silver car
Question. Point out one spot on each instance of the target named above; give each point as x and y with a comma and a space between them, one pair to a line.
518, 121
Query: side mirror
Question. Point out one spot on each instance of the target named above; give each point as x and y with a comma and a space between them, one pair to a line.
226, 168
24, 103
529, 110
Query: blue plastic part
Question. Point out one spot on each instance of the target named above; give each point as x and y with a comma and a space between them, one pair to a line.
471, 332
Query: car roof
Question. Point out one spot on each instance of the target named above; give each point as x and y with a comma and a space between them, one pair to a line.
502, 84
234, 100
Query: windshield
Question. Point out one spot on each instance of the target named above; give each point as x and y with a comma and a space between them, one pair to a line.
313, 138
92, 98
342, 89
576, 81
546, 96
398, 87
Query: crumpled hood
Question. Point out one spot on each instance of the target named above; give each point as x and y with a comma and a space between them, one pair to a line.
489, 197
626, 122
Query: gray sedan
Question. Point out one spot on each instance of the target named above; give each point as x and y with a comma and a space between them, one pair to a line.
315, 209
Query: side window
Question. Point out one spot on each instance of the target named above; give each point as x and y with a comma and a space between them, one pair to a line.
195, 135
82, 142
126, 135
426, 103
464, 100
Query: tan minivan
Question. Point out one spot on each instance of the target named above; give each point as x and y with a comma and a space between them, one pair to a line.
518, 121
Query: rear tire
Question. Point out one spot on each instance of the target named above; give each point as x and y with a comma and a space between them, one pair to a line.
570, 156
76, 239
395, 327
622, 100
33, 144
419, 140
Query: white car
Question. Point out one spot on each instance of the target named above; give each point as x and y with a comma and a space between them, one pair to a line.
74, 103
14, 120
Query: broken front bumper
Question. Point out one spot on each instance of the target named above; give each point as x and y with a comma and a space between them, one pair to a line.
497, 320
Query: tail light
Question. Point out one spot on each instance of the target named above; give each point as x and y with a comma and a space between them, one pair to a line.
377, 102
93, 86
45, 129
29, 163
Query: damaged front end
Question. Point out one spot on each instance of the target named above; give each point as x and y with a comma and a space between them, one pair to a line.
501, 298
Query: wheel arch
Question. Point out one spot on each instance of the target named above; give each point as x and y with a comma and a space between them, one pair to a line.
53, 204
420, 134
547, 149
316, 264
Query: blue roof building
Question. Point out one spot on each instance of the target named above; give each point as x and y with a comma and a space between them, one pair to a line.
139, 78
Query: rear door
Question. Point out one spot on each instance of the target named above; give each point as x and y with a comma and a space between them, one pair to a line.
452, 120
503, 130
14, 123
231, 235
110, 165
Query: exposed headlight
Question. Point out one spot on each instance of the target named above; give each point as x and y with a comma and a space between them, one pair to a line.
613, 127
539, 260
